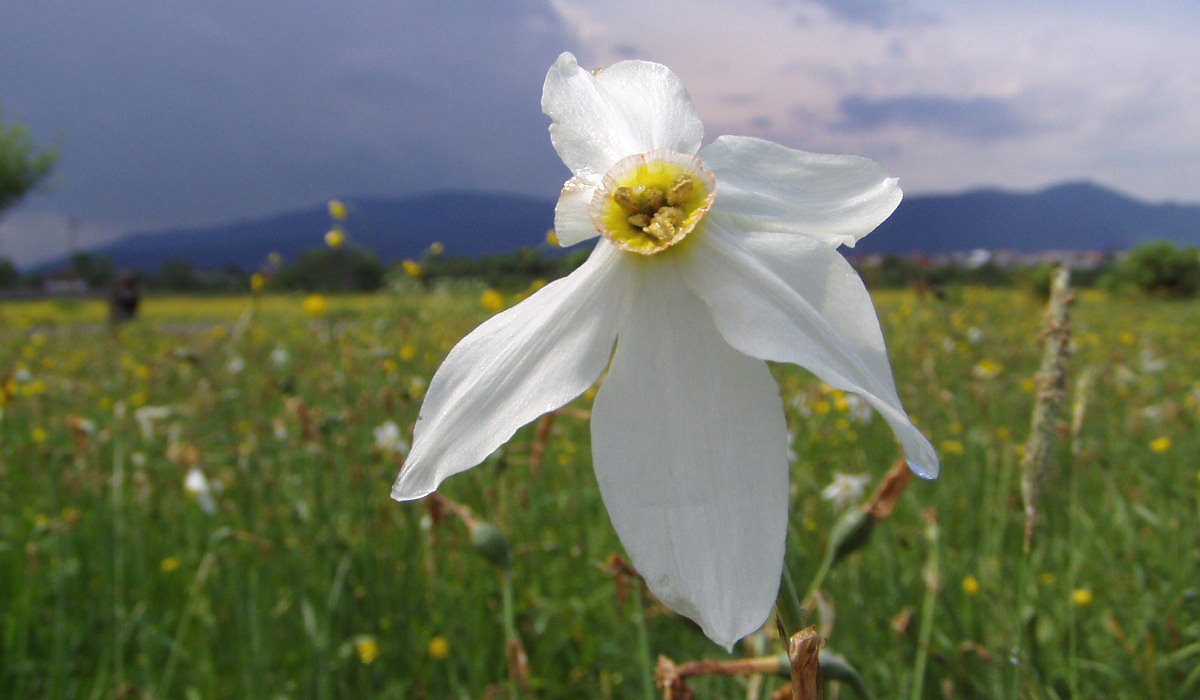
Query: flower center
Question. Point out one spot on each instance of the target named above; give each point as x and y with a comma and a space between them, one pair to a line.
651, 201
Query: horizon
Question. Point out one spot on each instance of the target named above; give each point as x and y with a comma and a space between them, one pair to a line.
401, 226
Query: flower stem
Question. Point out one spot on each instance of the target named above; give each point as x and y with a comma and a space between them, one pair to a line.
648, 691
933, 584
510, 623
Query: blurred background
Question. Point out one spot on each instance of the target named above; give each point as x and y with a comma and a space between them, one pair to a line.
182, 115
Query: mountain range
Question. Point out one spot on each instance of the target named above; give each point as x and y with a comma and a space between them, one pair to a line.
1071, 216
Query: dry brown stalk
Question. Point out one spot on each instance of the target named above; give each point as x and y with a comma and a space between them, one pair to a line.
1050, 385
518, 663
625, 579
537, 451
804, 649
889, 491
671, 678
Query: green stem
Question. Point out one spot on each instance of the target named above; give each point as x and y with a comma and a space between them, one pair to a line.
118, 562
510, 623
817, 580
647, 663
189, 609
932, 584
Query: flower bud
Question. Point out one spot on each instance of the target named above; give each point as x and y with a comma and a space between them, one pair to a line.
849, 533
836, 668
487, 539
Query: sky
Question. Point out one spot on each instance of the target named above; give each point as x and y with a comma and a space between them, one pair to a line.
169, 113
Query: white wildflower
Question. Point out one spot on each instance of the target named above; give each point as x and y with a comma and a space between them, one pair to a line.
845, 489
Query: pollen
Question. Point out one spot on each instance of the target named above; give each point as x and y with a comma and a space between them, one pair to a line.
652, 201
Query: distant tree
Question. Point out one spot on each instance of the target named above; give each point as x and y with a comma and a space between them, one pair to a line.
512, 270
1162, 268
342, 269
9, 275
22, 166
896, 271
96, 271
178, 275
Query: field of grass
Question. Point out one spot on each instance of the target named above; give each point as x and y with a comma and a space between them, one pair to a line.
198, 507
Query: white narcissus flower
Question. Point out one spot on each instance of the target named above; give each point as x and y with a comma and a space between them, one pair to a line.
710, 262
388, 438
845, 489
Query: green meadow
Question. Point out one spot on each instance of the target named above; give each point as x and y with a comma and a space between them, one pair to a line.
197, 505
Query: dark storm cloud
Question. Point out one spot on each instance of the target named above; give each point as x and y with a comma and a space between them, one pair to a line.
169, 112
976, 118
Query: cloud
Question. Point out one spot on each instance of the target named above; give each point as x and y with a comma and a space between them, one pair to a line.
876, 14
975, 118
173, 115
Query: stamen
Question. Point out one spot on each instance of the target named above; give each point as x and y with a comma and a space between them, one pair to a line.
680, 190
653, 201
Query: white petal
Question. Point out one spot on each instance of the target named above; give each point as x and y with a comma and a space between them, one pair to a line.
763, 186
572, 222
519, 364
789, 298
689, 444
631, 107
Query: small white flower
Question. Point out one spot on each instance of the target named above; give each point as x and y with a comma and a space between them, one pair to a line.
974, 335
845, 489
148, 416
198, 486
236, 365
1149, 362
280, 357
388, 438
710, 262
860, 409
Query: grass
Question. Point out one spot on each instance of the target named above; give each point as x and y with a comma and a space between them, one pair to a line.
304, 580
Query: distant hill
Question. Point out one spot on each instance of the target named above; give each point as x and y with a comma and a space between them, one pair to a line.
1073, 216
468, 224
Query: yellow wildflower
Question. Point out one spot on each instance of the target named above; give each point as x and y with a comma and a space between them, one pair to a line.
407, 352
169, 564
337, 210
552, 238
436, 248
1160, 444
38, 435
439, 648
970, 585
334, 237
367, 648
314, 305
1081, 597
491, 301
952, 447
257, 282
411, 269
987, 369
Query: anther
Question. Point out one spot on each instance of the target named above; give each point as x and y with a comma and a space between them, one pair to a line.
680, 190
627, 200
